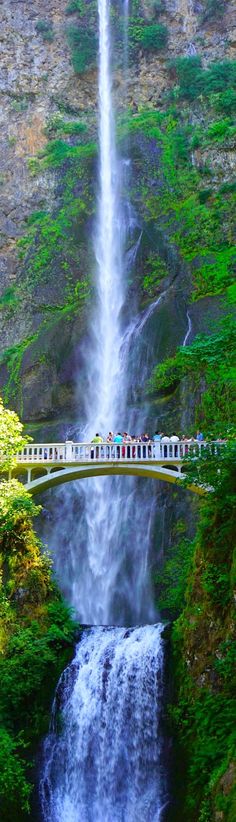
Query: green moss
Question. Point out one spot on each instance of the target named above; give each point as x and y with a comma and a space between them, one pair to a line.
9, 300
155, 270
199, 222
208, 363
12, 359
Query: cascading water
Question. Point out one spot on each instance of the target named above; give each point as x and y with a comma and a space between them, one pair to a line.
105, 765
104, 577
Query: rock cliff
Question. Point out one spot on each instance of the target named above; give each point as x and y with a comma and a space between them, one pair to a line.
48, 115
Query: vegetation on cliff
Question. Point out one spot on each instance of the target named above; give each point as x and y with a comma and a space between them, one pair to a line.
197, 588
36, 635
204, 647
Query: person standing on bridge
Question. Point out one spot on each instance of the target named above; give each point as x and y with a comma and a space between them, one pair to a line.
96, 439
118, 438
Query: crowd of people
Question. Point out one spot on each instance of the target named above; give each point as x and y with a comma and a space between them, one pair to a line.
159, 436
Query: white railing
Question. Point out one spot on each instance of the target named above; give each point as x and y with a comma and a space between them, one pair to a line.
71, 452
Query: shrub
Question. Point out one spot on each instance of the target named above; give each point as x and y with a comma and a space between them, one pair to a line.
76, 6
44, 27
193, 80
83, 46
188, 73
153, 37
226, 102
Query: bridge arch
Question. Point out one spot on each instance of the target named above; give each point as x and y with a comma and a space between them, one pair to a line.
55, 478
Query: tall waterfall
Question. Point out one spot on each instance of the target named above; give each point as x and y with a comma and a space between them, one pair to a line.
105, 764
103, 759
103, 564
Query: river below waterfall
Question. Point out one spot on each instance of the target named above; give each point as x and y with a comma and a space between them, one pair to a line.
104, 755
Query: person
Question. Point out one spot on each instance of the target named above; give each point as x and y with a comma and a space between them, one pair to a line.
96, 439
200, 436
118, 438
109, 439
144, 438
157, 436
126, 438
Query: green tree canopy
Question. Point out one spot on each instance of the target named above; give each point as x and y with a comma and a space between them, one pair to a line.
11, 437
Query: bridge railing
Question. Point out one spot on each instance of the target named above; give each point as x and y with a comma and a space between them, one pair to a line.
70, 452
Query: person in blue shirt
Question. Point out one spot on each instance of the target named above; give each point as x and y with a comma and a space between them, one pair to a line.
157, 436
200, 436
118, 438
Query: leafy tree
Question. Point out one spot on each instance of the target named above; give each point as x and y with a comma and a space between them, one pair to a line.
11, 437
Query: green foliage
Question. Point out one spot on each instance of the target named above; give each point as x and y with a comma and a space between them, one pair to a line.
57, 125
83, 46
8, 300
11, 437
36, 642
153, 37
15, 505
171, 580
76, 6
14, 788
59, 152
194, 81
201, 227
156, 269
204, 646
12, 357
45, 28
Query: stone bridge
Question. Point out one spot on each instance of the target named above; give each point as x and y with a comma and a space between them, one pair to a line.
45, 465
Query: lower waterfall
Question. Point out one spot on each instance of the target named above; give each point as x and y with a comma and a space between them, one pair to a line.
103, 757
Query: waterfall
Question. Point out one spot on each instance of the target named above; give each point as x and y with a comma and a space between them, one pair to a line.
105, 765
103, 758
102, 557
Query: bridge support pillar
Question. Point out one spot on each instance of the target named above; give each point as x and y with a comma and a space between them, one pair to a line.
28, 475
